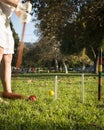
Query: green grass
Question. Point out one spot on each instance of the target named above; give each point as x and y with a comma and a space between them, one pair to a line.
66, 113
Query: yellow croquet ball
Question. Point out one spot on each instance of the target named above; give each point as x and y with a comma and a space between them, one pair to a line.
51, 92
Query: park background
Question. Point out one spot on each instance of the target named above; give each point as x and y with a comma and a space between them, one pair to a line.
62, 35
64, 59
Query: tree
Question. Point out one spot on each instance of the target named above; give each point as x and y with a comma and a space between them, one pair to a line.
43, 52
70, 22
16, 40
53, 17
87, 31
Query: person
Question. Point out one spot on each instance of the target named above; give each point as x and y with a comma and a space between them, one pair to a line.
7, 7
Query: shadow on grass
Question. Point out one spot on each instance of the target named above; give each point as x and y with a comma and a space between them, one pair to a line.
48, 126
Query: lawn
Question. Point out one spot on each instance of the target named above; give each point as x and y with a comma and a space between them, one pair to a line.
67, 112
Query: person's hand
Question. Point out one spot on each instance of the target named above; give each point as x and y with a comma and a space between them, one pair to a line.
27, 7
24, 10
25, 17
20, 7
24, 7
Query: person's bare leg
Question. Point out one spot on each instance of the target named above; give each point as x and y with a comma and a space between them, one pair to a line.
1, 55
6, 78
6, 72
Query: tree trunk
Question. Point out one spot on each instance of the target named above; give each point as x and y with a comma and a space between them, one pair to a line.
96, 65
56, 65
95, 61
65, 67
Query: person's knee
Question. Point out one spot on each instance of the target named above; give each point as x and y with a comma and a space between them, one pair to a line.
7, 58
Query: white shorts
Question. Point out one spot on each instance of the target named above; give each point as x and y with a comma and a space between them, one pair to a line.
6, 37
